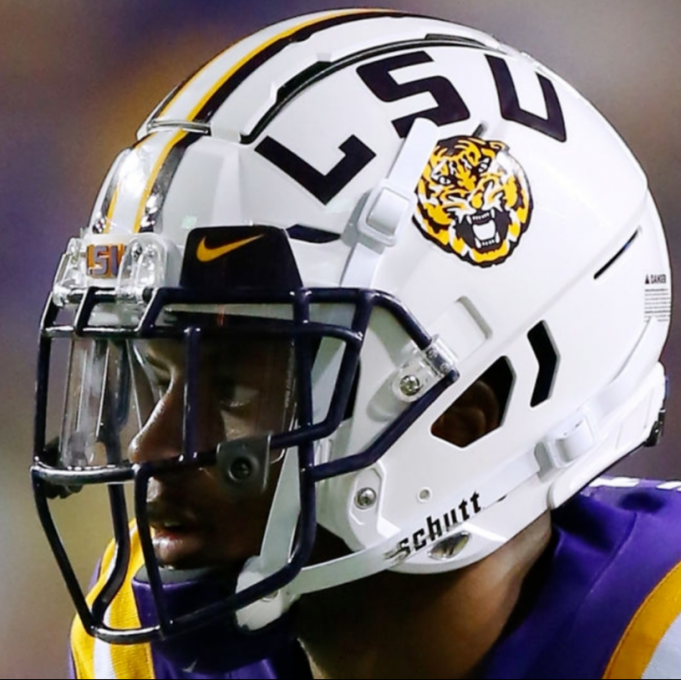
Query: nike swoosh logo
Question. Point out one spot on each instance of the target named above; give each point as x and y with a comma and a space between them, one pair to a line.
206, 254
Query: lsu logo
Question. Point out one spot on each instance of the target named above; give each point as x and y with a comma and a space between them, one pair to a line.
104, 260
474, 200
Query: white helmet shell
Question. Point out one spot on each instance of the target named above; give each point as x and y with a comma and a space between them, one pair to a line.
513, 212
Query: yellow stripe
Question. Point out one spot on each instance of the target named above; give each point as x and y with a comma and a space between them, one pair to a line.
178, 137
130, 661
153, 175
112, 207
647, 628
263, 46
82, 645
248, 57
127, 661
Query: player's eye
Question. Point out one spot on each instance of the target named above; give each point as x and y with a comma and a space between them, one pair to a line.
238, 398
158, 375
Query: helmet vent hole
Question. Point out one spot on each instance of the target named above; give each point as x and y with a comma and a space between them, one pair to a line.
480, 409
546, 354
617, 256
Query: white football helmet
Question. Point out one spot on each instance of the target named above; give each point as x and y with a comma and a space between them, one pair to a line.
414, 206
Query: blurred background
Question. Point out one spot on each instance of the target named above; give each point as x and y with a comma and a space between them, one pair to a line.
77, 77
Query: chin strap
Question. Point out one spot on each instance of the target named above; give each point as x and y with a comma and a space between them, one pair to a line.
389, 206
406, 551
558, 467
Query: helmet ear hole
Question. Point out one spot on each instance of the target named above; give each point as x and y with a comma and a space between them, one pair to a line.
479, 410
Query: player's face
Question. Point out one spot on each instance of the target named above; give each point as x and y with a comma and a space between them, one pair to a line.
244, 389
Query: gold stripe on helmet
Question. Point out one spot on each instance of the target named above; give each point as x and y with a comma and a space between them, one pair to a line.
221, 83
242, 62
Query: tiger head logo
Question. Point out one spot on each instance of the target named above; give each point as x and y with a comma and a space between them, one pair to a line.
474, 200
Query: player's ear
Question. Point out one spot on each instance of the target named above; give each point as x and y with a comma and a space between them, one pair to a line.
475, 413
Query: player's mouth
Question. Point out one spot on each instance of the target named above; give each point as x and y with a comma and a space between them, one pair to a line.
180, 540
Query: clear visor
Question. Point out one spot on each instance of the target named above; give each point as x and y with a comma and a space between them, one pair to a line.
126, 401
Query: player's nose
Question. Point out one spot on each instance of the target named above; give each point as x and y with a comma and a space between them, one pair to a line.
162, 436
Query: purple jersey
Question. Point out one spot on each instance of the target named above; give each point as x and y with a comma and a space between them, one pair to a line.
608, 603
610, 599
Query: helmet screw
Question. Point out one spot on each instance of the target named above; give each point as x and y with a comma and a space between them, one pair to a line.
241, 469
410, 385
365, 498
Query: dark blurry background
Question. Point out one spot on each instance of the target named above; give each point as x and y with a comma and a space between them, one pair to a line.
77, 77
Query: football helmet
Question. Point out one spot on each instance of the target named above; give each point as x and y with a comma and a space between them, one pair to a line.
383, 209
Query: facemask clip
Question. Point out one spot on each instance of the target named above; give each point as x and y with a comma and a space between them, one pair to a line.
424, 369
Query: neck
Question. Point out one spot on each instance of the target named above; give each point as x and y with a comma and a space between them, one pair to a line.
440, 626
